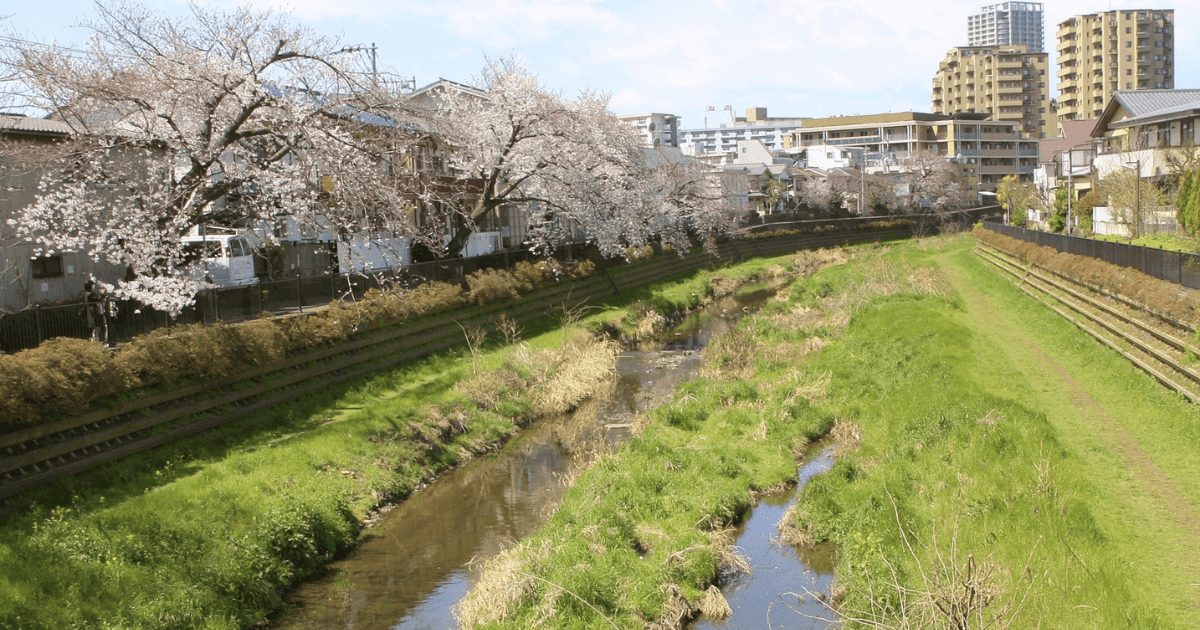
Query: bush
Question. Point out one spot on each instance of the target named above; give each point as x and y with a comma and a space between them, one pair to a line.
537, 273
335, 323
167, 355
56, 378
582, 269
494, 285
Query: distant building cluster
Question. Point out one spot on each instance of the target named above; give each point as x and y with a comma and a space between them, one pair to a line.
992, 112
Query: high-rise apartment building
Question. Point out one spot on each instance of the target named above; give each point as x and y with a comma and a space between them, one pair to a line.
1100, 53
1007, 82
1007, 23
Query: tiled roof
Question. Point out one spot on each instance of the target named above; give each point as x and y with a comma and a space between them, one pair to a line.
33, 125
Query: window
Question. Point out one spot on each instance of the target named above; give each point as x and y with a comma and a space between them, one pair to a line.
46, 266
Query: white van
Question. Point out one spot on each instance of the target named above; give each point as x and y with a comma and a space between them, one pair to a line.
227, 260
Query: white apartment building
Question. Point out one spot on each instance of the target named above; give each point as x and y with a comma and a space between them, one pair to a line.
1008, 23
722, 131
655, 130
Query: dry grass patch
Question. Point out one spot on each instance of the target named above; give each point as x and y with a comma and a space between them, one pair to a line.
648, 325
502, 584
729, 355
847, 437
812, 390
790, 532
810, 261
714, 605
579, 368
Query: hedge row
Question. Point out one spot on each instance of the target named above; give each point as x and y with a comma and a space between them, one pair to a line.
1165, 297
64, 376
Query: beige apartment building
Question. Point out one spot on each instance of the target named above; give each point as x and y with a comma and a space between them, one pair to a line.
1100, 53
1007, 82
988, 150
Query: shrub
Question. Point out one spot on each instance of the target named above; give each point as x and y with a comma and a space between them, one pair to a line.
307, 331
493, 285
537, 273
168, 355
582, 269
57, 377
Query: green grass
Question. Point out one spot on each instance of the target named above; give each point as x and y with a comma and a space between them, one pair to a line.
211, 531
1172, 243
991, 431
983, 420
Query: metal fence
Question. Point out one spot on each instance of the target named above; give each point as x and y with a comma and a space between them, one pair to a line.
126, 319
1178, 267
28, 328
923, 222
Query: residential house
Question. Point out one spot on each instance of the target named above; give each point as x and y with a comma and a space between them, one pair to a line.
1065, 161
1148, 132
27, 279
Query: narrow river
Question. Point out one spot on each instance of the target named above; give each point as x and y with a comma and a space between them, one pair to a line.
413, 566
786, 584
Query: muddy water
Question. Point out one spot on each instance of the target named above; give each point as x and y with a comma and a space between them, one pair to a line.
414, 565
782, 591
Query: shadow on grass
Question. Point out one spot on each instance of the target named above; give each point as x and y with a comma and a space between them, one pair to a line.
130, 476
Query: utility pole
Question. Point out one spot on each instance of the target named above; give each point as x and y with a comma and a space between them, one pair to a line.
862, 184
1138, 198
1070, 185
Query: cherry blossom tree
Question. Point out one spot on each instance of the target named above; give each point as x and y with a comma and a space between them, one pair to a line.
819, 194
572, 164
680, 199
224, 118
935, 182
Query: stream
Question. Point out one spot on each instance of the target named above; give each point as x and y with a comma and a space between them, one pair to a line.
779, 592
417, 561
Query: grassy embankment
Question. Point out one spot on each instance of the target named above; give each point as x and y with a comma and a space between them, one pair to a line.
1037, 478
211, 531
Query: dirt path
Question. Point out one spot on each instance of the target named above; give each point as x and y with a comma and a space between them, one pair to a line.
1026, 352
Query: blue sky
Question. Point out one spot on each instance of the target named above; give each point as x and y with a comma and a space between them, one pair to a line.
796, 57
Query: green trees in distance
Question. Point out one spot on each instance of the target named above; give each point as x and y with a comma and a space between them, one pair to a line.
1188, 202
1016, 197
1058, 214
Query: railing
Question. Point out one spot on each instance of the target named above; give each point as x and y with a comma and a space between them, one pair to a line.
1179, 267
126, 319
922, 222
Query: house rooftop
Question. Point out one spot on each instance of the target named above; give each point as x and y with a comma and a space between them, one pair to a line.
24, 124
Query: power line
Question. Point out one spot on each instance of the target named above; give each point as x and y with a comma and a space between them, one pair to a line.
27, 42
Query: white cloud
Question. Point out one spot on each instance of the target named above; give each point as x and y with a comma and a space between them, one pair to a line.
799, 57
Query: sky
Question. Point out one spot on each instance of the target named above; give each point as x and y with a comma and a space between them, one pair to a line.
795, 57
